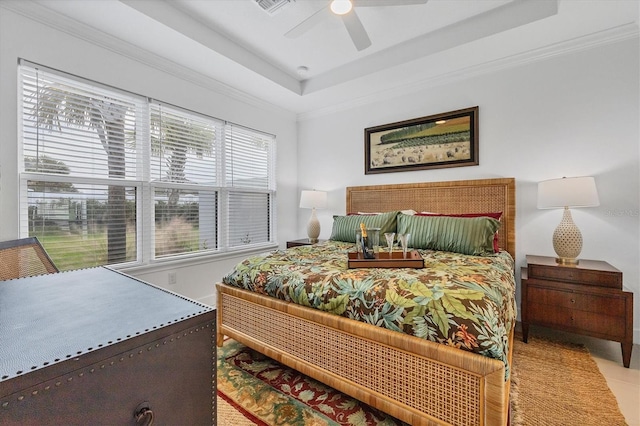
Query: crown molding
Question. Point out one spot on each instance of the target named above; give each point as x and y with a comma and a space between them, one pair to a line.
59, 22
606, 37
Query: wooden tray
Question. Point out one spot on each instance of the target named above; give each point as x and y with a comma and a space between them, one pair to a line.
382, 260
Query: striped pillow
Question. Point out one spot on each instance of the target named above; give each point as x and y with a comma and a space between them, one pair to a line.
495, 215
345, 227
473, 235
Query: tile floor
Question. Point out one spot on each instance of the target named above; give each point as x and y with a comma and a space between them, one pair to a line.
623, 382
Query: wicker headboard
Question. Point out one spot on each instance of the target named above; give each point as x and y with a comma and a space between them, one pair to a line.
462, 196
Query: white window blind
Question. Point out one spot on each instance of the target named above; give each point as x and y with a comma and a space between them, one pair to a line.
184, 159
249, 158
112, 177
250, 181
249, 218
183, 146
79, 150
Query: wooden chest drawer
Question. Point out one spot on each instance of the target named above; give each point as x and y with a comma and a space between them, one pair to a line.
598, 304
92, 347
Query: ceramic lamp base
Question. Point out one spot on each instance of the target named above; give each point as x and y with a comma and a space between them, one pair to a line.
567, 240
313, 227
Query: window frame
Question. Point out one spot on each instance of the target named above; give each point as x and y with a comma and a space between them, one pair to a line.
145, 186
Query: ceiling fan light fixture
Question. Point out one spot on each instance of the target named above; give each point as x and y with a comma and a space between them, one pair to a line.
341, 7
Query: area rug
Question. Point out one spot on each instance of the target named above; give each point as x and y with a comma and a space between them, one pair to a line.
554, 383
269, 393
558, 383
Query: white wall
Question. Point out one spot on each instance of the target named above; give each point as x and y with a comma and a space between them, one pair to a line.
141, 73
571, 115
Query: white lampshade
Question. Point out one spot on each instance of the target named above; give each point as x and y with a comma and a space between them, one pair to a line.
565, 193
313, 200
568, 192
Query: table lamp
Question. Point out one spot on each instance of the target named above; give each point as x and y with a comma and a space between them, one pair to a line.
313, 200
566, 193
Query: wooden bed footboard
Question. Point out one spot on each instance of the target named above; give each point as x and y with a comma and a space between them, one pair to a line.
414, 380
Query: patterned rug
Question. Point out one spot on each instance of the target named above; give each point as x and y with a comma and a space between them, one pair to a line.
267, 392
554, 383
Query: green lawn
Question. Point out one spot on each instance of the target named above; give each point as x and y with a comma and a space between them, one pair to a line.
73, 251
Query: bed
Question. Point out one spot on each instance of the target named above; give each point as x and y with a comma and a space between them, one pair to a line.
419, 381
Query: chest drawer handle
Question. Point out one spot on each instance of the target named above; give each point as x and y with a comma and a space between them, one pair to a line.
143, 414
573, 300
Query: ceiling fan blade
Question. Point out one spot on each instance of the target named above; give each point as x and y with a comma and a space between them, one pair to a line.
308, 23
373, 3
356, 30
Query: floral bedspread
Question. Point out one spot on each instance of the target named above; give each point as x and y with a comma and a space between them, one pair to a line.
457, 300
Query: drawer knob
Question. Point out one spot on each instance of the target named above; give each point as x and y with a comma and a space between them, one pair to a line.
573, 300
143, 414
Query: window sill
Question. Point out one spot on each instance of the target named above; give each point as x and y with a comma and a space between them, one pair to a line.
159, 265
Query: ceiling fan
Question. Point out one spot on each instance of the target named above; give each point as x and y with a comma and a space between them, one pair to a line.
345, 9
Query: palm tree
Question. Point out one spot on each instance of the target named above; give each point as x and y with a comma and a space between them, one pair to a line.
35, 164
58, 105
173, 137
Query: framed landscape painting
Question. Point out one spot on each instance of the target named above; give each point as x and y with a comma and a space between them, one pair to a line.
449, 139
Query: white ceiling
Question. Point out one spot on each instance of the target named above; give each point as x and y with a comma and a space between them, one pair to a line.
237, 43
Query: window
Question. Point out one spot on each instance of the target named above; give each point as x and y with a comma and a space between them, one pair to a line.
249, 175
183, 179
111, 177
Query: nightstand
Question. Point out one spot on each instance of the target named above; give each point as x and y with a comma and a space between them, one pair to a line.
302, 242
587, 299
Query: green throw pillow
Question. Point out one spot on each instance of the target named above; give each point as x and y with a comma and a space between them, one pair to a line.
473, 235
345, 227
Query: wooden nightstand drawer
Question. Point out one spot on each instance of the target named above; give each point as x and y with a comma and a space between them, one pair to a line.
578, 321
586, 299
576, 276
598, 304
589, 272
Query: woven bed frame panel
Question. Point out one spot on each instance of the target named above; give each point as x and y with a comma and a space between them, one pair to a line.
470, 196
399, 375
24, 258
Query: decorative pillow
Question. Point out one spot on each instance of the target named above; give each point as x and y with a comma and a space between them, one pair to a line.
345, 227
466, 235
494, 215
